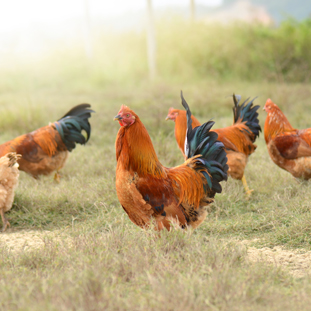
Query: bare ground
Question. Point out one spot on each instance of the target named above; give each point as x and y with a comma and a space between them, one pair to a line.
296, 262
27, 240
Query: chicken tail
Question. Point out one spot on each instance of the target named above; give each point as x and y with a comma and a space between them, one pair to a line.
210, 157
247, 113
71, 125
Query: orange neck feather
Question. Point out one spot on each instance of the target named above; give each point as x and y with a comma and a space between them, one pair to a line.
181, 127
276, 123
135, 151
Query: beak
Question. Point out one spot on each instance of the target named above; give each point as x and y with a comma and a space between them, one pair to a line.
167, 118
117, 117
264, 108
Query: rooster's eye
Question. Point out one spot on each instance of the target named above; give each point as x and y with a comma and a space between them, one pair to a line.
127, 115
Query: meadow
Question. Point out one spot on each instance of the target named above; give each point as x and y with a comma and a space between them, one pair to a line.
93, 257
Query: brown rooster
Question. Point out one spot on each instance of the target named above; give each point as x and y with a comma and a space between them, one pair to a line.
46, 149
238, 138
289, 148
9, 174
147, 190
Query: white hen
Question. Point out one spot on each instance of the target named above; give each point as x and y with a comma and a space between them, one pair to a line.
9, 174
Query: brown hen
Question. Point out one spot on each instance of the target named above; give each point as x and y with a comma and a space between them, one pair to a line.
46, 149
238, 138
289, 148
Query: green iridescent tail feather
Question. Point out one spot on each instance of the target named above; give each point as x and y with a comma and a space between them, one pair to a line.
246, 112
202, 141
71, 125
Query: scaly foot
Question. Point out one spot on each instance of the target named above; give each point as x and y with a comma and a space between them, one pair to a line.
4, 220
6, 224
57, 177
248, 192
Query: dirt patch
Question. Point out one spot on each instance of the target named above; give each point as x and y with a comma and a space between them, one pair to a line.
27, 240
297, 262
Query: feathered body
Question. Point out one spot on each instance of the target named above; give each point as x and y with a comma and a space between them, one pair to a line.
9, 174
288, 147
146, 189
238, 138
46, 149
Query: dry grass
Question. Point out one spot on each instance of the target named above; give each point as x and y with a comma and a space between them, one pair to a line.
125, 268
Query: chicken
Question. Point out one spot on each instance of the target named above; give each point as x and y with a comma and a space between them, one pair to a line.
288, 148
46, 149
149, 191
238, 138
9, 174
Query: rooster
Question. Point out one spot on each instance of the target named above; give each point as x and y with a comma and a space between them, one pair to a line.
147, 190
46, 149
9, 174
238, 138
288, 147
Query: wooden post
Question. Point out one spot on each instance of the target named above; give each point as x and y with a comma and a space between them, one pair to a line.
192, 10
87, 31
151, 42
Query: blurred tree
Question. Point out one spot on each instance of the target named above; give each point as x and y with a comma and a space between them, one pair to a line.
192, 10
281, 9
151, 41
87, 31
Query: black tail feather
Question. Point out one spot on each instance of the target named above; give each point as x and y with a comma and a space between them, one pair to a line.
202, 141
71, 125
246, 112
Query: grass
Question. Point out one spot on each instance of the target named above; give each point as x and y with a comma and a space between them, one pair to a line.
124, 268
103, 261
93, 257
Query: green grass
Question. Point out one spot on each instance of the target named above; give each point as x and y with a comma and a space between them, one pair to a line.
103, 261
94, 258
278, 209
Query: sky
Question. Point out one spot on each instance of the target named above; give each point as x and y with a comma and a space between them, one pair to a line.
25, 24
18, 14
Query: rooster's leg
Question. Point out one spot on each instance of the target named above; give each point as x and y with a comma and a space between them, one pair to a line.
57, 176
247, 191
4, 220
159, 226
